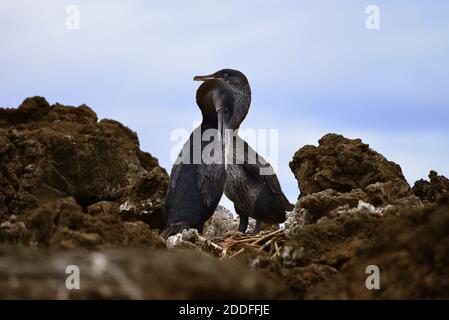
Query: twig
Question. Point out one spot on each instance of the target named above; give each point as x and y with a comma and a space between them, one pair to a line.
265, 245
268, 235
237, 253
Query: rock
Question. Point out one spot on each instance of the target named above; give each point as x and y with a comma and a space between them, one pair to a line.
431, 191
321, 203
390, 192
103, 208
131, 274
52, 152
378, 195
191, 239
221, 222
341, 164
412, 253
330, 241
304, 278
13, 231
316, 252
340, 172
63, 224
295, 221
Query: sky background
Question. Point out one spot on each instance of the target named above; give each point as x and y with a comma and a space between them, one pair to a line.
313, 67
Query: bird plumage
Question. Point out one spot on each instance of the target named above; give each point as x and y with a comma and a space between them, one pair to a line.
254, 193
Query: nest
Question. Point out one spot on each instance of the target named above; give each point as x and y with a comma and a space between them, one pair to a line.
270, 242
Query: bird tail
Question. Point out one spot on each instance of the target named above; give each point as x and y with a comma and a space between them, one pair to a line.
290, 207
287, 205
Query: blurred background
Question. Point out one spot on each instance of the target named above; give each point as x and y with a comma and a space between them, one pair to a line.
313, 67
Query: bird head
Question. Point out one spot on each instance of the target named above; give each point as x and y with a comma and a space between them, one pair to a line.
230, 76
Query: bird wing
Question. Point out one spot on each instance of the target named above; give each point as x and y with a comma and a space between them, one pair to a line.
257, 166
211, 178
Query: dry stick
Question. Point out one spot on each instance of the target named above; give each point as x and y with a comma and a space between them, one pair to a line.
265, 245
244, 240
277, 249
268, 235
208, 242
237, 253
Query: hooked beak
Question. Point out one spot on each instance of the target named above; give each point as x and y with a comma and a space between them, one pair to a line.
205, 78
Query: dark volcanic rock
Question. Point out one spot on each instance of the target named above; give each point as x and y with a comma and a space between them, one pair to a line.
131, 274
53, 152
432, 190
330, 241
381, 194
63, 224
412, 253
317, 251
341, 164
322, 203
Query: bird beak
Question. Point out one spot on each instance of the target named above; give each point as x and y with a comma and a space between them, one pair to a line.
204, 78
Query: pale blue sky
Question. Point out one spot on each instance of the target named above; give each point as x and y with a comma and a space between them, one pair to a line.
313, 67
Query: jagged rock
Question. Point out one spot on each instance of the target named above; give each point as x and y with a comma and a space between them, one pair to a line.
295, 220
51, 152
63, 224
380, 195
340, 172
54, 152
330, 241
432, 190
341, 164
131, 274
221, 222
315, 252
412, 253
321, 203
384, 193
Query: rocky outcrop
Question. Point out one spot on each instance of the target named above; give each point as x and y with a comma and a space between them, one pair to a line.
342, 165
395, 193
67, 179
348, 193
340, 172
316, 252
63, 224
412, 254
431, 191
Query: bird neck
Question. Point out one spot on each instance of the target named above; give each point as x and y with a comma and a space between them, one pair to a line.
242, 102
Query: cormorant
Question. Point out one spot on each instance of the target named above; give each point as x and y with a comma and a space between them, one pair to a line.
197, 180
255, 195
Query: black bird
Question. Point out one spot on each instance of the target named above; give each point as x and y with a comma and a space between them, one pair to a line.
254, 194
197, 181
254, 187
